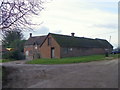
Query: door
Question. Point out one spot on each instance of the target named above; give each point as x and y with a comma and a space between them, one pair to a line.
53, 52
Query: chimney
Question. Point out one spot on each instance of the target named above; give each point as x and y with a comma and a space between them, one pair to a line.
30, 35
72, 34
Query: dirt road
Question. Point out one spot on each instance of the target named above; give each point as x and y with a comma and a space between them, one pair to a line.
97, 74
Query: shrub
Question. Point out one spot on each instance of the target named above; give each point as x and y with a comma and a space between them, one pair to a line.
17, 55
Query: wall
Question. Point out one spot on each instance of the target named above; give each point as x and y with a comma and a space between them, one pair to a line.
73, 52
32, 52
45, 49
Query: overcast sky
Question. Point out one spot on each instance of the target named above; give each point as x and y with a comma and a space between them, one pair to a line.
86, 18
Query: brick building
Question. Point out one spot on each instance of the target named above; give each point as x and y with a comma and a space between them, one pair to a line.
60, 46
32, 46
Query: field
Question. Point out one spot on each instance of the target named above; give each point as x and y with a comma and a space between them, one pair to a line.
73, 59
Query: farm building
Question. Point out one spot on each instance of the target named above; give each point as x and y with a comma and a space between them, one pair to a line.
60, 46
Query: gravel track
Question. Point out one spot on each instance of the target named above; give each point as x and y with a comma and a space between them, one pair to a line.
96, 74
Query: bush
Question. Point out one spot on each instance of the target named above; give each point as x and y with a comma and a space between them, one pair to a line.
7, 55
17, 55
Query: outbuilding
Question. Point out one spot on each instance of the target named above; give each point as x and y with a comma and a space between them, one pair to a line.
60, 46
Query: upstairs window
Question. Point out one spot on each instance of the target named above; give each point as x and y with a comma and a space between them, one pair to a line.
49, 41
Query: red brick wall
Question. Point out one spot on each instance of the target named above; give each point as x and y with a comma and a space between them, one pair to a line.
81, 52
45, 49
31, 51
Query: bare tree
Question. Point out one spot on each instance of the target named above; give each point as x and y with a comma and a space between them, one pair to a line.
17, 13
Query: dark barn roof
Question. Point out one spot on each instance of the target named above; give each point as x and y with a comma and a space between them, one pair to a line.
35, 40
70, 41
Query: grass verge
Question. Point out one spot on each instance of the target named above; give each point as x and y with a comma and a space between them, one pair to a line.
5, 60
73, 59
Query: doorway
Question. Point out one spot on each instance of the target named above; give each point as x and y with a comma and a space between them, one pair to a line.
52, 52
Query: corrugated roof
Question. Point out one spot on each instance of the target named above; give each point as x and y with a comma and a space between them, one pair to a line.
70, 41
35, 40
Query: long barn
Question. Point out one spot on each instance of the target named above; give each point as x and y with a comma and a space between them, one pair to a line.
60, 46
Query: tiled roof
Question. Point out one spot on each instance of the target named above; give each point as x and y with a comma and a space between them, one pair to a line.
35, 40
70, 41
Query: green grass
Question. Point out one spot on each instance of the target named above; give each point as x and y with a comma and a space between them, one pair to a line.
5, 60
115, 55
72, 59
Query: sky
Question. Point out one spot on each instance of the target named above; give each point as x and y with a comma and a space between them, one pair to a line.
86, 18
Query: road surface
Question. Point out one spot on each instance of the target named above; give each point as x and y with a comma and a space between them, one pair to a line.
96, 74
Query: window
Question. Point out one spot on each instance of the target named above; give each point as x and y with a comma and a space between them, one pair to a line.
49, 41
70, 49
65, 50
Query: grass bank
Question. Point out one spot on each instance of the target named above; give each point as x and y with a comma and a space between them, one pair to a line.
5, 60
73, 59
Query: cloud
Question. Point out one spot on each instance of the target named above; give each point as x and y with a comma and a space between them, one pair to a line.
85, 18
43, 30
108, 26
102, 0
56, 31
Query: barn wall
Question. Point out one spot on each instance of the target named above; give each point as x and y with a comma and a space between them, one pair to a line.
45, 49
73, 52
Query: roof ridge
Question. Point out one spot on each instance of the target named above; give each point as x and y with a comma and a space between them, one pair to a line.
65, 41
38, 36
72, 36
